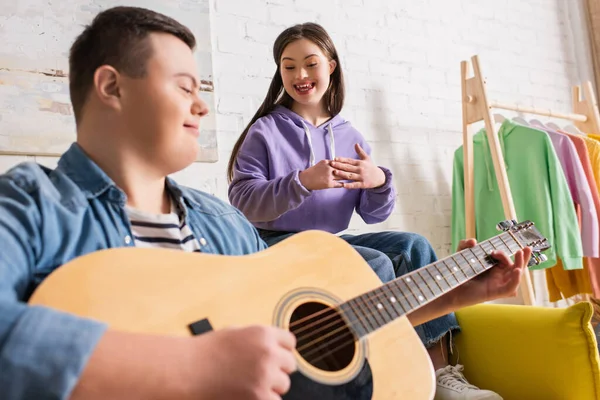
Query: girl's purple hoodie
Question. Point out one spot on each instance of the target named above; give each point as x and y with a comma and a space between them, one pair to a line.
266, 187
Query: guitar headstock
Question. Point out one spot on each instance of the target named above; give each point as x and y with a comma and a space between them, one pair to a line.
528, 236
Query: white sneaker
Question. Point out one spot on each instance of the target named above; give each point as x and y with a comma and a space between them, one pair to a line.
452, 385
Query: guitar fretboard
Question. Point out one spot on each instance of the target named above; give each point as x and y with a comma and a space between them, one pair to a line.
372, 310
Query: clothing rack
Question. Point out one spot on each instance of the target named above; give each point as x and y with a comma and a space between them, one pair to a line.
476, 107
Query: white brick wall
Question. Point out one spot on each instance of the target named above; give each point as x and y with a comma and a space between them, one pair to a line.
401, 62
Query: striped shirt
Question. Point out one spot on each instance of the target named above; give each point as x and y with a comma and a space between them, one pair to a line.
162, 230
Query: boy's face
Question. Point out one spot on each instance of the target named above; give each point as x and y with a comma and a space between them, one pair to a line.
162, 110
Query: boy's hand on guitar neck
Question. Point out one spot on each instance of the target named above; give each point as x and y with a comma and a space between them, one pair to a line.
250, 363
501, 281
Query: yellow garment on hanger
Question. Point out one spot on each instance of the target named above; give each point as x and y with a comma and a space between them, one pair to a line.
592, 142
564, 283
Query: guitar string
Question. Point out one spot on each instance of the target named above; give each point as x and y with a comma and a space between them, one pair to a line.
321, 337
332, 313
314, 315
329, 352
344, 327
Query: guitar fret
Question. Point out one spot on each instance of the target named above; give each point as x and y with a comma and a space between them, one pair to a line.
491, 247
440, 278
426, 277
369, 311
465, 270
383, 305
368, 318
450, 276
421, 285
459, 271
408, 294
477, 264
513, 241
491, 243
410, 291
402, 298
354, 321
391, 300
483, 256
435, 281
372, 304
495, 245
358, 322
408, 279
506, 247
469, 262
479, 255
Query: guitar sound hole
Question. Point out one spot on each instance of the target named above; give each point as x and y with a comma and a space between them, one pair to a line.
323, 338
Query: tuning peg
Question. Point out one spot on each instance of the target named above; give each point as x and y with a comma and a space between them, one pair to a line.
533, 261
506, 225
537, 258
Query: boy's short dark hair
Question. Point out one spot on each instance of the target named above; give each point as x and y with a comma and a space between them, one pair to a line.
118, 37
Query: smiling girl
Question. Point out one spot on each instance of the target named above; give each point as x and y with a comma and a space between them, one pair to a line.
299, 165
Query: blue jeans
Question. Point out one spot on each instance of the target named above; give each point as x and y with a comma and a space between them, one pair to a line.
393, 254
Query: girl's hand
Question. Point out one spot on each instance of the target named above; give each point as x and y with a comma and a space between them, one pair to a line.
363, 173
319, 176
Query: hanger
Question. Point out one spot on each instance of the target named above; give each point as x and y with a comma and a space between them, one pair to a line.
572, 129
521, 121
552, 125
499, 118
537, 122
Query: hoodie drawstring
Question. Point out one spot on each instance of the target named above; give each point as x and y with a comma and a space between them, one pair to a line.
331, 142
309, 138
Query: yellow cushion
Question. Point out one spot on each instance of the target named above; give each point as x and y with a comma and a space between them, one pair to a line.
524, 352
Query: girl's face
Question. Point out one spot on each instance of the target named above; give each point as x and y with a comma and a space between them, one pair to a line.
305, 71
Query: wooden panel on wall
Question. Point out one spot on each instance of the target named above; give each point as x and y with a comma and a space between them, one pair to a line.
36, 117
593, 14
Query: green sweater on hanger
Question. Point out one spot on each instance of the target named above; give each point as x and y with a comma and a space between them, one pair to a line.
539, 190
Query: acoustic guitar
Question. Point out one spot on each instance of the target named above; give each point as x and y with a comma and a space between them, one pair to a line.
353, 338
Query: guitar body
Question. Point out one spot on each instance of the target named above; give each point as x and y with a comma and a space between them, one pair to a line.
164, 291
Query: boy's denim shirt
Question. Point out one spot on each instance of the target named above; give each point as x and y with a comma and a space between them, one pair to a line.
49, 217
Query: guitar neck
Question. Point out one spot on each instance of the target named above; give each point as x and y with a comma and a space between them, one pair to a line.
372, 310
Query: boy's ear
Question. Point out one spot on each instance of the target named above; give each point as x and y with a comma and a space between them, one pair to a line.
332, 66
106, 85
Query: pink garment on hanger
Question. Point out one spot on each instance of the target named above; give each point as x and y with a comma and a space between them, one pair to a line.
592, 262
580, 189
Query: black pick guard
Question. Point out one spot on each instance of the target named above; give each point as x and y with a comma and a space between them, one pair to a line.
303, 388
360, 388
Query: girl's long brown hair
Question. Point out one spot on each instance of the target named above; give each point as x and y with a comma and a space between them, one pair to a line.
333, 97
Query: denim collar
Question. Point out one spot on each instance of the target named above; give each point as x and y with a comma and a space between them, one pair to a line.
93, 181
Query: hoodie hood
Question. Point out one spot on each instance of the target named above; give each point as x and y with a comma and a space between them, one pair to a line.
325, 129
481, 138
336, 121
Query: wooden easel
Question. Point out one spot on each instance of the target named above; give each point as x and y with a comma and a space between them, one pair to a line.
476, 107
